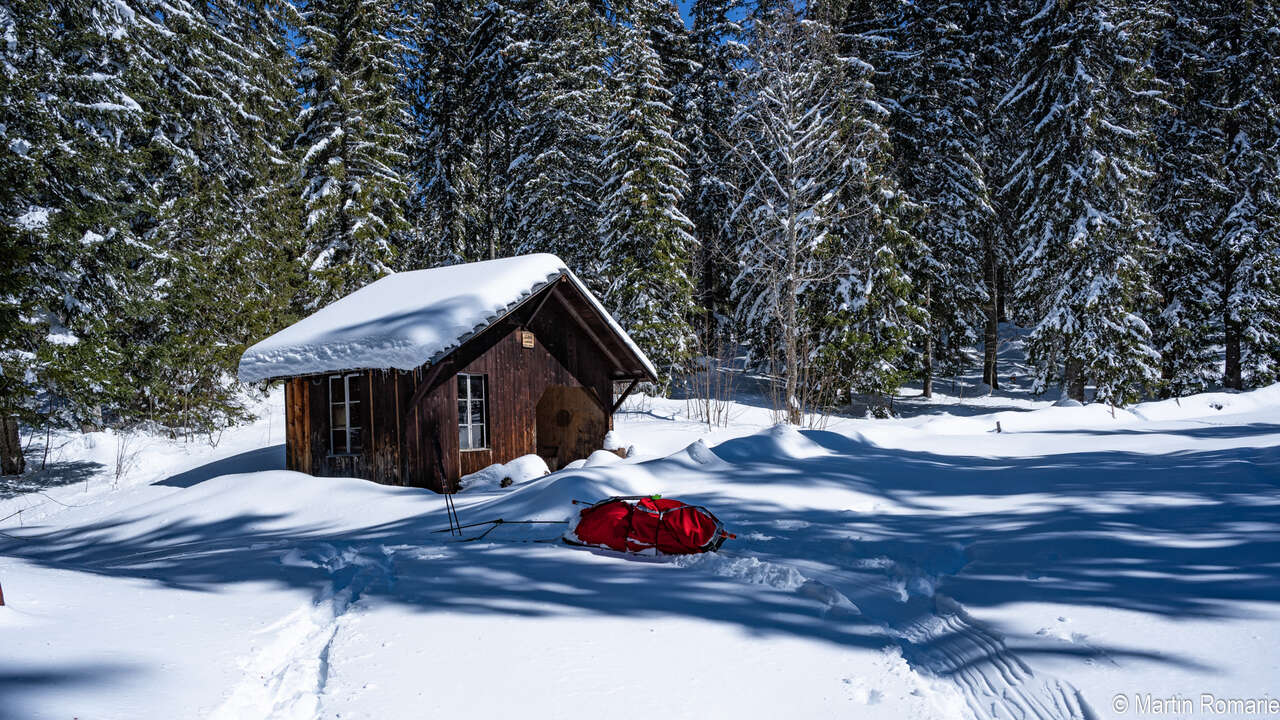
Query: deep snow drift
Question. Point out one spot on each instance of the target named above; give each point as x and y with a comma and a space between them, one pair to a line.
926, 567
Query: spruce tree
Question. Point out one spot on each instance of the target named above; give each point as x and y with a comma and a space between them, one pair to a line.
709, 94
936, 105
82, 144
1190, 199
25, 64
1080, 188
553, 192
995, 35
224, 237
1247, 253
352, 139
495, 67
645, 238
441, 93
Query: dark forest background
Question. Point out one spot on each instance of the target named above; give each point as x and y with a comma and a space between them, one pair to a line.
855, 191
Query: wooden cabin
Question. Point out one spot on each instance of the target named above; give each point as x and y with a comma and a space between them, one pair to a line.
422, 377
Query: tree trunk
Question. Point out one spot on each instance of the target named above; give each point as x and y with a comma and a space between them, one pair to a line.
11, 460
1073, 379
1002, 285
1233, 378
927, 389
794, 415
991, 339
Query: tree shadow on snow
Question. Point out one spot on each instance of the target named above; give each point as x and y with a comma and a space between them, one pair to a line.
15, 685
1181, 535
54, 474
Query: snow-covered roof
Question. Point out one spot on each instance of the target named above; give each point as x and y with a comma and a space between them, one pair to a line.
407, 319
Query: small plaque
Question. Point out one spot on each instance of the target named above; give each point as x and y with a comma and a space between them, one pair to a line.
526, 339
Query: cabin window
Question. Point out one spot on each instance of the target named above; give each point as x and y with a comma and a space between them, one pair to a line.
473, 412
346, 394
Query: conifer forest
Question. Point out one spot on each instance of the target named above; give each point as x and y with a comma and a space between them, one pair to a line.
851, 194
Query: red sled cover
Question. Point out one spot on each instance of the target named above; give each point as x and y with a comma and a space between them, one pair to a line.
636, 524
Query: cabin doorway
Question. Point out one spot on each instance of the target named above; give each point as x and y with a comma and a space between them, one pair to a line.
570, 425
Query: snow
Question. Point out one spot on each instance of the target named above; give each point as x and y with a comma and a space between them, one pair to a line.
518, 471
922, 567
407, 319
35, 218
613, 441
601, 457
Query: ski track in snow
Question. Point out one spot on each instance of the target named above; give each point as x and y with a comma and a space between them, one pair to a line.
942, 641
996, 683
285, 677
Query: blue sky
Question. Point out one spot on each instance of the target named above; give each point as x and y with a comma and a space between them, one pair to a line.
686, 9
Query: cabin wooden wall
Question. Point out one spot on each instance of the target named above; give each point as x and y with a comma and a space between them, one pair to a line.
416, 443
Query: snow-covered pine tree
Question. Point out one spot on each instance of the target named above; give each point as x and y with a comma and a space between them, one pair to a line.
25, 64
440, 90
995, 36
672, 41
938, 128
354, 130
1189, 198
222, 271
645, 238
870, 319
819, 288
553, 192
75, 134
1248, 251
494, 68
1085, 90
709, 97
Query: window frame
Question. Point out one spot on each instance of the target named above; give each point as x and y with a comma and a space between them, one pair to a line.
347, 407
466, 400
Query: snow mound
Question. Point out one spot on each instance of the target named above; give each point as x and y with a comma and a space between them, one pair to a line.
601, 457
769, 445
787, 441
501, 475
612, 441
699, 453
1068, 402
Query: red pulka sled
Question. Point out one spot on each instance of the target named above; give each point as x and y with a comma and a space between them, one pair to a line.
639, 523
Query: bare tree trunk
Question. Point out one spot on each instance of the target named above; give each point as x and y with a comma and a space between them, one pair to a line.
1073, 379
991, 338
11, 460
794, 416
1002, 284
927, 389
1233, 377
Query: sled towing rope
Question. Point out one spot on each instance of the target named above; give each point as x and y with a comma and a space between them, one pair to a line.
638, 523
457, 530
